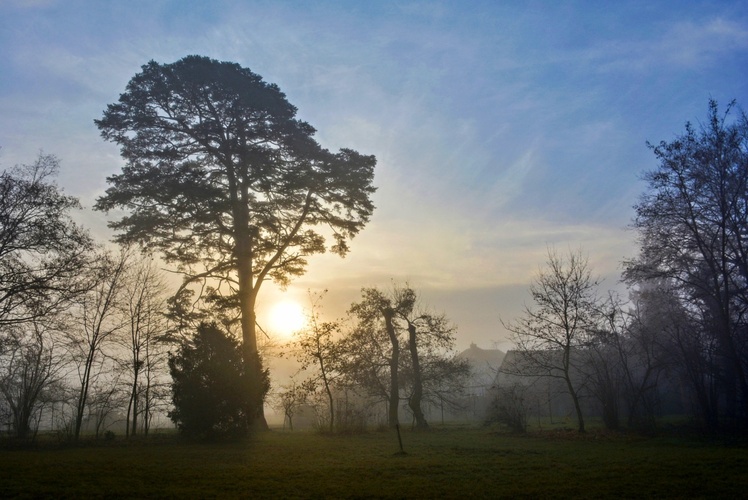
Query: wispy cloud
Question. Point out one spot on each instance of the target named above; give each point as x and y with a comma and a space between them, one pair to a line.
500, 127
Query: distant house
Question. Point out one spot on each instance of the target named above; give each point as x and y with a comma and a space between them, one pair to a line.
484, 364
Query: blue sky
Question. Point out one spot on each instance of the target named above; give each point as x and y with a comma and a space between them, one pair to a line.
500, 128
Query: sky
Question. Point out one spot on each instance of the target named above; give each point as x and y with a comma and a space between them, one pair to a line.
501, 128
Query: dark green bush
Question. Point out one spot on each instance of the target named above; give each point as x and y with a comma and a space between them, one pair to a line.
211, 390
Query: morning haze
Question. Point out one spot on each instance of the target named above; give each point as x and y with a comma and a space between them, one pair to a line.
389, 249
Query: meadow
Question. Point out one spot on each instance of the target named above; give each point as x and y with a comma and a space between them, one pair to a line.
449, 462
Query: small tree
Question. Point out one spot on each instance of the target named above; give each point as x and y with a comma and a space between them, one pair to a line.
290, 399
551, 335
509, 407
211, 390
316, 347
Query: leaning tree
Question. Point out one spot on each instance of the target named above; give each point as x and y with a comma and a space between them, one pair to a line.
227, 184
370, 353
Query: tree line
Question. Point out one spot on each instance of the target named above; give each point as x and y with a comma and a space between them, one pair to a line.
390, 351
82, 328
684, 327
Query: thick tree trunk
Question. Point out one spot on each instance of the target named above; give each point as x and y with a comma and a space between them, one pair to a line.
252, 363
415, 398
393, 419
247, 297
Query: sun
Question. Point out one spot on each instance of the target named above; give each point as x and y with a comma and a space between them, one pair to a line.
286, 318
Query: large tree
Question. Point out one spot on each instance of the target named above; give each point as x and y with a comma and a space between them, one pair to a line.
693, 226
225, 182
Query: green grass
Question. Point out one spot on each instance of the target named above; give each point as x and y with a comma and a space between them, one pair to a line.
443, 463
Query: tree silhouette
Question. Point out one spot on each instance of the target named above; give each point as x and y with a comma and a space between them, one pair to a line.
42, 251
693, 227
224, 181
553, 333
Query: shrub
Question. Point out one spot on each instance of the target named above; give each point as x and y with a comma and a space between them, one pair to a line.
211, 391
508, 407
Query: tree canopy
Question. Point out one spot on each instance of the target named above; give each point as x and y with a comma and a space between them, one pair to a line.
693, 227
225, 182
42, 251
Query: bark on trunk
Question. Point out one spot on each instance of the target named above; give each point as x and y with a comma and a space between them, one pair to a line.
247, 297
415, 398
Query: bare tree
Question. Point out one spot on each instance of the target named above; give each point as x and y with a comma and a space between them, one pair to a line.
373, 345
317, 346
290, 398
376, 322
31, 364
510, 407
42, 251
105, 396
646, 351
142, 307
551, 334
431, 368
98, 321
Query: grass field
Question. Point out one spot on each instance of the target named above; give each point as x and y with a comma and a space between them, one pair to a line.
442, 463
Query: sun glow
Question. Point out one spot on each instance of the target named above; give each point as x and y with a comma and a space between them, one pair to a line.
286, 318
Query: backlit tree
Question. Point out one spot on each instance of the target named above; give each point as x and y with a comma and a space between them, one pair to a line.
225, 182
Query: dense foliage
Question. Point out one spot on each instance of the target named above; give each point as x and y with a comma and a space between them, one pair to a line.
224, 181
212, 392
